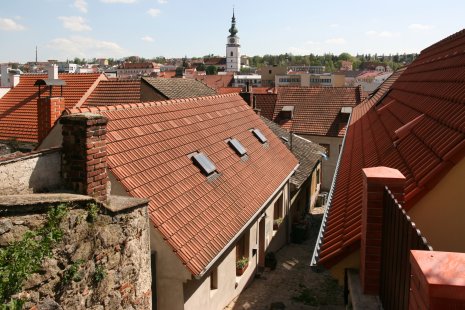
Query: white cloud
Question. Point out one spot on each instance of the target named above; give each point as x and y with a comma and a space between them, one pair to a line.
75, 23
420, 27
154, 12
81, 5
312, 43
334, 25
381, 34
336, 41
10, 25
163, 1
87, 47
147, 39
118, 1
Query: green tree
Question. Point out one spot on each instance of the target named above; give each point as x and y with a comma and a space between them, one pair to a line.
212, 70
201, 67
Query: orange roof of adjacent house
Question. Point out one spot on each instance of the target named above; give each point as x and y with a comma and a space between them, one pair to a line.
266, 103
415, 125
18, 108
215, 81
149, 147
115, 92
317, 110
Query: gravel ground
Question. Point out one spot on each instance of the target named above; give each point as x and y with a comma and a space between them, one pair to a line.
293, 285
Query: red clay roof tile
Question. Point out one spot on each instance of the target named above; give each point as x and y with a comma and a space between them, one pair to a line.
316, 109
412, 123
115, 92
197, 217
18, 108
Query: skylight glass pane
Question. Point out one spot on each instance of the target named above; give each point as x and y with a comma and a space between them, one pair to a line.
257, 133
204, 163
238, 147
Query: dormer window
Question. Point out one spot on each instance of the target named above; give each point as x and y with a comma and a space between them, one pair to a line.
204, 163
287, 112
259, 135
237, 147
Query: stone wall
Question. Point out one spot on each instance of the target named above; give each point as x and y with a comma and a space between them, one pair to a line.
110, 255
31, 173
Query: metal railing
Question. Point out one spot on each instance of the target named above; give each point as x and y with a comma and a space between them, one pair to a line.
399, 236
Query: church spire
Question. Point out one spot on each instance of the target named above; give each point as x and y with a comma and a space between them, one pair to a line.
233, 29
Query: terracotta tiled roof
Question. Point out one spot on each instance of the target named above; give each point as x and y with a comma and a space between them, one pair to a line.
18, 108
416, 126
167, 74
307, 152
316, 109
264, 90
179, 88
115, 92
229, 90
216, 81
266, 103
148, 148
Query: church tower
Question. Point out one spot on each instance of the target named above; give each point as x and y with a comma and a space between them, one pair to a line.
233, 53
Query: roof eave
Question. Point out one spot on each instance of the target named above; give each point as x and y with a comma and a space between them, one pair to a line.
319, 240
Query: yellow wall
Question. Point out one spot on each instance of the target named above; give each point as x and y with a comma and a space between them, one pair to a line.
440, 214
350, 261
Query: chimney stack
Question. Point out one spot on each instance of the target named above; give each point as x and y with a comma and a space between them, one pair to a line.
84, 157
52, 70
5, 76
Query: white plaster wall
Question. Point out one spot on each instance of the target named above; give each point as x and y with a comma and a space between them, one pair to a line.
198, 294
4, 91
170, 274
329, 165
31, 174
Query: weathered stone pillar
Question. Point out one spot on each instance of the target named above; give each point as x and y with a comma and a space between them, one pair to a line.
374, 181
84, 162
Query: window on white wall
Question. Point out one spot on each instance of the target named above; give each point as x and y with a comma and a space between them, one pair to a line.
214, 279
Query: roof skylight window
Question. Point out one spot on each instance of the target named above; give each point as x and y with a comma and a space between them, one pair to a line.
258, 134
204, 163
237, 147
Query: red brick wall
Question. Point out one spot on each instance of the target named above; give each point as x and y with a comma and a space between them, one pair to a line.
84, 163
374, 181
48, 111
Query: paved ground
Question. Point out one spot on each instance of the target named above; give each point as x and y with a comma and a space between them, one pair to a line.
293, 283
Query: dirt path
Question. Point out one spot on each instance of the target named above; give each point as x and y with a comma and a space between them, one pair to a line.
293, 284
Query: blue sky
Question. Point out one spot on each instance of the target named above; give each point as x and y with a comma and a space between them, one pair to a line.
174, 28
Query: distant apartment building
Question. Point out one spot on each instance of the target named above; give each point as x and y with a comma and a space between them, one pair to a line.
244, 79
346, 65
269, 73
102, 61
132, 70
307, 79
288, 80
66, 67
307, 69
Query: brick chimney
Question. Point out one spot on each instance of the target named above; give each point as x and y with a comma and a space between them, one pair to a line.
84, 159
52, 71
48, 111
5, 82
374, 181
247, 95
